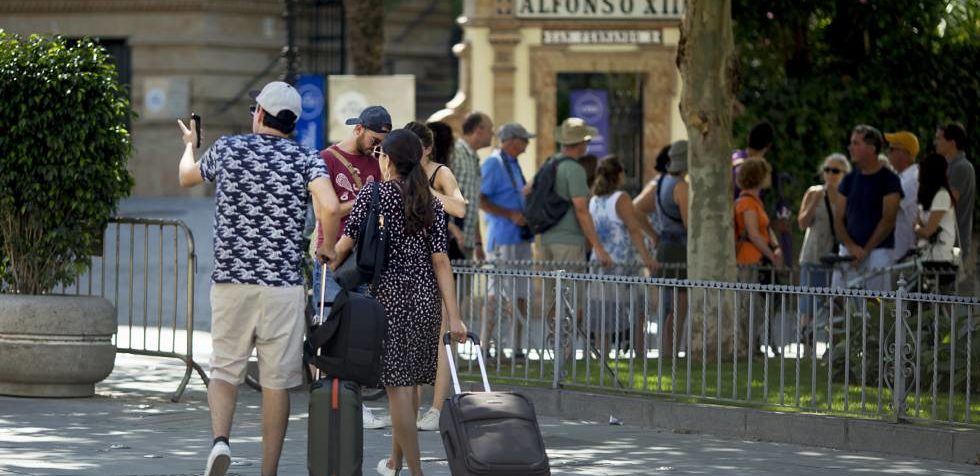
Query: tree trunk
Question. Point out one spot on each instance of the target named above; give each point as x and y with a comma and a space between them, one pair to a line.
706, 60
365, 35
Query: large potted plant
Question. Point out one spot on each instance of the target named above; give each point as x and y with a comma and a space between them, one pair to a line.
63, 153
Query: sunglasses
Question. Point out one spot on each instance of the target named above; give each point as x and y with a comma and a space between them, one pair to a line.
253, 108
831, 170
377, 153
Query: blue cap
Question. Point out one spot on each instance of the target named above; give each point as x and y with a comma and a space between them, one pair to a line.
375, 118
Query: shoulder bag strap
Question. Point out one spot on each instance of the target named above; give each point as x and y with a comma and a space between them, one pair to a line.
510, 173
350, 168
830, 213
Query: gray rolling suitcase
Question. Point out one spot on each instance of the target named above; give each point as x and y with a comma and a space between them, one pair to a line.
490, 433
335, 442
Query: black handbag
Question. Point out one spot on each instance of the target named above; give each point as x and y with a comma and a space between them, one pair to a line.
369, 258
372, 246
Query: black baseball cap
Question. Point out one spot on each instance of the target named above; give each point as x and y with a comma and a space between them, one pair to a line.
375, 118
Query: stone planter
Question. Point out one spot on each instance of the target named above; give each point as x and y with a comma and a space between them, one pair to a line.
55, 346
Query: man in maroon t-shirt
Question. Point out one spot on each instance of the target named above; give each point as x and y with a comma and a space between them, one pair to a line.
351, 167
349, 161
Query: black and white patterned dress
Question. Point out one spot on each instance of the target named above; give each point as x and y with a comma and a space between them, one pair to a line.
407, 290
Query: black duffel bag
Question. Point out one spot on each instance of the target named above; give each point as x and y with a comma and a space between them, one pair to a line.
351, 339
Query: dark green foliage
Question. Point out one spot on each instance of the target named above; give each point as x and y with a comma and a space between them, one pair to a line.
817, 68
63, 154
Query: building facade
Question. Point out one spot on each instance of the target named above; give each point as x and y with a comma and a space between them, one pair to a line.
182, 56
527, 60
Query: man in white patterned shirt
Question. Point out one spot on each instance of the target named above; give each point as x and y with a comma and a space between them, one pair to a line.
477, 134
263, 183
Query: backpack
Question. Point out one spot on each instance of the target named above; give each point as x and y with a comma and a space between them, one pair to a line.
351, 339
544, 206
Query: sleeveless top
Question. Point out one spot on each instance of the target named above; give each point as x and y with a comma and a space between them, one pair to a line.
668, 224
819, 238
611, 229
432, 178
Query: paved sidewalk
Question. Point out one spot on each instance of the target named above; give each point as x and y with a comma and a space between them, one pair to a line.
131, 428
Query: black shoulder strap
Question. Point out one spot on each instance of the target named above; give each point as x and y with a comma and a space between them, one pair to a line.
510, 173
432, 179
660, 204
830, 213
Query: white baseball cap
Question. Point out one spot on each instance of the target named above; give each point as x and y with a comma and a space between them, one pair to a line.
278, 96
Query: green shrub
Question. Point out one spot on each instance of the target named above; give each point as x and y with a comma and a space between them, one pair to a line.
63, 154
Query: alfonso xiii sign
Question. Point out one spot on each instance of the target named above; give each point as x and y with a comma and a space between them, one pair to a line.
600, 9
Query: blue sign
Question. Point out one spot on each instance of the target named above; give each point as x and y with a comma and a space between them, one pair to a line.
592, 105
309, 127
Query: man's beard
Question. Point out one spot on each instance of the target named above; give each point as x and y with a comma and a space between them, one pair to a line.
365, 145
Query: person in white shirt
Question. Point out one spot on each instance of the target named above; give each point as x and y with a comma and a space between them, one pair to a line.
903, 147
936, 225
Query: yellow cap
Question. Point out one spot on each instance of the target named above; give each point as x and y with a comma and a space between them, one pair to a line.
904, 140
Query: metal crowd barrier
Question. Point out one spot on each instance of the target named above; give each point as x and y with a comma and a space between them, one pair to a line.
139, 271
917, 277
732, 342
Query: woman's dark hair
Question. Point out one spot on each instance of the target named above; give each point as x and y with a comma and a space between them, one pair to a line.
589, 162
404, 149
932, 178
663, 158
285, 122
607, 176
443, 142
423, 132
761, 135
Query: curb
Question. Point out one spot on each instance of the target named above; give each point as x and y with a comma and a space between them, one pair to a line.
953, 444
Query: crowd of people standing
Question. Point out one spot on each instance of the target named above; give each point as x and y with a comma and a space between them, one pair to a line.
432, 187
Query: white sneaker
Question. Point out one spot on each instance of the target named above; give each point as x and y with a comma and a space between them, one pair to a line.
384, 470
218, 460
372, 422
429, 420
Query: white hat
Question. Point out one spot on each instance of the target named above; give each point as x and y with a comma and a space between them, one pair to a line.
278, 96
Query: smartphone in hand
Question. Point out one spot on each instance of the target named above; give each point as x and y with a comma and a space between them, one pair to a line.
197, 128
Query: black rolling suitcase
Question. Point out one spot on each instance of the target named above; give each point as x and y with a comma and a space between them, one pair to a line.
490, 433
335, 442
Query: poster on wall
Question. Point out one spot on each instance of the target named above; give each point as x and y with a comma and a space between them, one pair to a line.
348, 95
309, 126
592, 105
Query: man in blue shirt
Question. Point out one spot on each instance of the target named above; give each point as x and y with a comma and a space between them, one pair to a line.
866, 211
508, 238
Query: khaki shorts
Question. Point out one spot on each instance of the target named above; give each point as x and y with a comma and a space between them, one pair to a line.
268, 319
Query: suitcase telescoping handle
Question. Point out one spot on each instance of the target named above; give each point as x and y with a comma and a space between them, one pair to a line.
447, 340
323, 291
321, 318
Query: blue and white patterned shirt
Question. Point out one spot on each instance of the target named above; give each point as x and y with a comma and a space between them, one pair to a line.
260, 207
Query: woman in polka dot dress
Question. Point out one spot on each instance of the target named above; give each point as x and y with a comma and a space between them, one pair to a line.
411, 288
